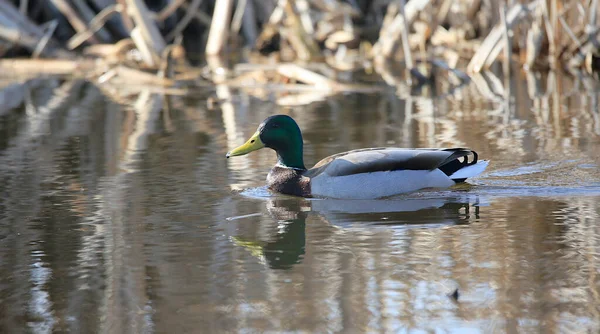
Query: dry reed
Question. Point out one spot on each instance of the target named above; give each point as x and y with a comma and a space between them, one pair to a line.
155, 42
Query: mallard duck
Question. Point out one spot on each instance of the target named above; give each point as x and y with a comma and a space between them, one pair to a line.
359, 174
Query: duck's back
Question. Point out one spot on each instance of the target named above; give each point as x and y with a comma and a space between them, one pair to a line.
381, 172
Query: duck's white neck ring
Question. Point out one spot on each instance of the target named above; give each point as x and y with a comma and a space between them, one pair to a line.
283, 166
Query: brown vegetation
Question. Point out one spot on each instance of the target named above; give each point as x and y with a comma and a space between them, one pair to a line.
137, 42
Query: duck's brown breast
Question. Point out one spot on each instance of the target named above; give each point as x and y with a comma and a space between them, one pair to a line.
289, 181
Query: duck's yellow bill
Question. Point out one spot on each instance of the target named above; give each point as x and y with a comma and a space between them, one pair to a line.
253, 144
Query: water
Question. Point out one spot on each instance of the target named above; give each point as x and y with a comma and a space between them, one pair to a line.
124, 216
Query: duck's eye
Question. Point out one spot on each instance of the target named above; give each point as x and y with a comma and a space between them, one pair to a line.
275, 125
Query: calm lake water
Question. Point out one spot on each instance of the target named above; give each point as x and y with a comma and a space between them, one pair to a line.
123, 216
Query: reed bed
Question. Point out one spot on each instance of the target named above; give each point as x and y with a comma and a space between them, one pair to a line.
311, 47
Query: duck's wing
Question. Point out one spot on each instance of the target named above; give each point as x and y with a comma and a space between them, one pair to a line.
390, 159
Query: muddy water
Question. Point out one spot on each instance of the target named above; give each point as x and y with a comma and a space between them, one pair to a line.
125, 216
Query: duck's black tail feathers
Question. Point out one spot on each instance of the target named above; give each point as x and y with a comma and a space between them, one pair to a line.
461, 167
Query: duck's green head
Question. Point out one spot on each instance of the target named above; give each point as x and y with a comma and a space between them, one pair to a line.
280, 133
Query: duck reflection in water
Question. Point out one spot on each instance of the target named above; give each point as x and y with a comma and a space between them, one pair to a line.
287, 246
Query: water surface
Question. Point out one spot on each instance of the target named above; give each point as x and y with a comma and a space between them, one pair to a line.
123, 215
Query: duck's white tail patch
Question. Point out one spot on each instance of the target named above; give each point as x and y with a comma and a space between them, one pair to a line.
470, 171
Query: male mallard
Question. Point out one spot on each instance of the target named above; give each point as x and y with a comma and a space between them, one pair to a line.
359, 174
